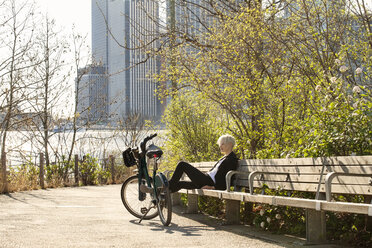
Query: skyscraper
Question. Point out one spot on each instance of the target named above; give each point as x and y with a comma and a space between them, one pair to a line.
120, 28
91, 90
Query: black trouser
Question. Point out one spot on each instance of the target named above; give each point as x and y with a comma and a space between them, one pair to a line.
198, 178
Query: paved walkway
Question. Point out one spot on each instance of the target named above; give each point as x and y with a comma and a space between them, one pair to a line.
95, 217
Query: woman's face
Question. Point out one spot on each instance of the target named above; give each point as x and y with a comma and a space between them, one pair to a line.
225, 148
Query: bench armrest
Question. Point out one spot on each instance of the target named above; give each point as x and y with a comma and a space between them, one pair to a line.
229, 176
330, 176
253, 174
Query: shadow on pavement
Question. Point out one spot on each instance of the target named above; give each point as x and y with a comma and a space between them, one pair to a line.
212, 224
24, 197
173, 228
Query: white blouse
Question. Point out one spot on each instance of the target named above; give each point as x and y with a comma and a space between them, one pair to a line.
212, 173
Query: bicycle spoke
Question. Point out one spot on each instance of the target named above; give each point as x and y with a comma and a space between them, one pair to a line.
129, 196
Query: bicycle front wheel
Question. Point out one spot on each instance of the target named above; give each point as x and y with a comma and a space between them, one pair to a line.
130, 199
165, 206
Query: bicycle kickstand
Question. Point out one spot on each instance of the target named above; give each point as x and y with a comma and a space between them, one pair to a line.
147, 211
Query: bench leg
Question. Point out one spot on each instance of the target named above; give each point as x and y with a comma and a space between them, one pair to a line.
192, 204
232, 212
176, 199
315, 226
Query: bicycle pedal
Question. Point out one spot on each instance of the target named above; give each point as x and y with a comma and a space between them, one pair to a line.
145, 189
143, 210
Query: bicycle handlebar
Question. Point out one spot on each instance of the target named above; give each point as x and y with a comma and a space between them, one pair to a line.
145, 140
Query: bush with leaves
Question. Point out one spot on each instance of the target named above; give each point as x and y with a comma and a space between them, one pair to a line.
57, 174
89, 170
211, 206
292, 79
193, 127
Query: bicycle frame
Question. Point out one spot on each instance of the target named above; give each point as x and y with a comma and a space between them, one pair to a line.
153, 191
143, 172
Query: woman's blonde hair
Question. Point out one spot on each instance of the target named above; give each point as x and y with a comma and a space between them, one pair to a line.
227, 138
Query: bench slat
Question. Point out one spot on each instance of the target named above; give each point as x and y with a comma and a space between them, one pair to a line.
310, 178
366, 169
347, 160
311, 187
345, 207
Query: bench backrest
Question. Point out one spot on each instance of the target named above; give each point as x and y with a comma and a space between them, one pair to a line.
306, 174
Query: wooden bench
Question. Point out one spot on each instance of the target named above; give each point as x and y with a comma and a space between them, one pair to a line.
324, 176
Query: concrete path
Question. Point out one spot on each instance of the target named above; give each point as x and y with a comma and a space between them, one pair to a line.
95, 217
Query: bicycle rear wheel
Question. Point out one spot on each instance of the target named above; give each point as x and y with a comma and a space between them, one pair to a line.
164, 206
129, 197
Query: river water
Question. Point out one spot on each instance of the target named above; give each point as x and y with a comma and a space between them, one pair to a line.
25, 146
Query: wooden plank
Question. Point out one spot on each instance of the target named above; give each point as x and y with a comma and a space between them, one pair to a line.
310, 178
311, 187
351, 164
346, 207
347, 160
204, 164
310, 169
362, 189
182, 191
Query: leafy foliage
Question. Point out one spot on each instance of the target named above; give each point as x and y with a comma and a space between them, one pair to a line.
90, 171
193, 126
293, 79
287, 89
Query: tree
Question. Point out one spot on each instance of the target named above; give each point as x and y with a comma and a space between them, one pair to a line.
193, 127
322, 57
265, 66
51, 83
16, 35
227, 66
81, 62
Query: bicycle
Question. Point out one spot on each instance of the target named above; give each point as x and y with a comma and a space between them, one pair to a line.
143, 196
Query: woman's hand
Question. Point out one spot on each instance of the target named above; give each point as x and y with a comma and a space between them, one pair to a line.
208, 187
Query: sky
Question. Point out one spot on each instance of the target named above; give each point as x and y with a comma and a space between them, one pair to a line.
68, 13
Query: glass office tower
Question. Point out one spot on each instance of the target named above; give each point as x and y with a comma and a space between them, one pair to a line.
119, 30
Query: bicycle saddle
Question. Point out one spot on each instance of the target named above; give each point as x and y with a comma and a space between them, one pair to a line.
154, 152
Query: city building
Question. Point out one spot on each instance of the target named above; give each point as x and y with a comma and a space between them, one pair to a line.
120, 28
91, 92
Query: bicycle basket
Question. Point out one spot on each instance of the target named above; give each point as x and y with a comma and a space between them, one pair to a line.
128, 157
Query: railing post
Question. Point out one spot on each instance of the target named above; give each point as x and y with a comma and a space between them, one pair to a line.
112, 161
4, 177
76, 171
41, 172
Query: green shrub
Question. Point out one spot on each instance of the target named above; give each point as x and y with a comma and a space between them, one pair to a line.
211, 206
57, 173
89, 170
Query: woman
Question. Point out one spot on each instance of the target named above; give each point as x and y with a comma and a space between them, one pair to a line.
213, 179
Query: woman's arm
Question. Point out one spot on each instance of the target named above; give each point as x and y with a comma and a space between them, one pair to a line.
207, 187
230, 163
